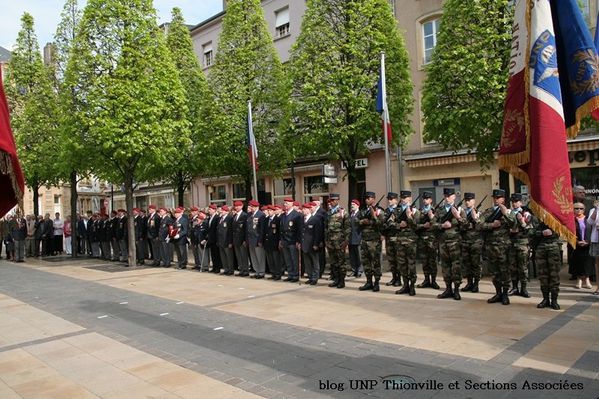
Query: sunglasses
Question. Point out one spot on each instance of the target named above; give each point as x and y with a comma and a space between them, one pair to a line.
579, 209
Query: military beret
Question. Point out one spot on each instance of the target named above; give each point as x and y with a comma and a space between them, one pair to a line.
179, 209
164, 209
370, 194
265, 208
212, 206
275, 207
426, 195
253, 203
355, 201
194, 209
308, 205
334, 196
296, 203
122, 210
237, 203
202, 215
405, 193
448, 191
498, 192
516, 197
136, 209
391, 195
224, 208
151, 206
469, 196
288, 199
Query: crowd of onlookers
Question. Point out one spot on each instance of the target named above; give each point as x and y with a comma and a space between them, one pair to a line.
583, 260
32, 236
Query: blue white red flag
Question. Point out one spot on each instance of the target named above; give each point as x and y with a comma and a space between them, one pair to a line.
381, 102
251, 140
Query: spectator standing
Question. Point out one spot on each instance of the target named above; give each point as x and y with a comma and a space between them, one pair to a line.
68, 231
57, 242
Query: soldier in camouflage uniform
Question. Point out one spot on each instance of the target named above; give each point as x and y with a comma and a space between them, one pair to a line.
389, 230
472, 244
496, 223
518, 250
337, 231
448, 223
548, 259
370, 220
428, 242
405, 219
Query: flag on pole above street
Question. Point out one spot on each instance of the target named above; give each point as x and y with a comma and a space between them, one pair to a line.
552, 84
381, 102
251, 140
11, 177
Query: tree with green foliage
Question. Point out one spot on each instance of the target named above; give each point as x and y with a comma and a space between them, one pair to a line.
199, 100
335, 66
127, 95
33, 106
75, 155
466, 81
247, 67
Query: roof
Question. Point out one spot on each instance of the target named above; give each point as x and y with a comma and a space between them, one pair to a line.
5, 55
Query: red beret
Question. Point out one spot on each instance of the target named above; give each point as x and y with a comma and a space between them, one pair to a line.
355, 201
121, 210
202, 215
194, 209
274, 207
254, 203
164, 209
151, 206
136, 209
237, 203
288, 199
212, 206
180, 210
296, 203
308, 205
265, 208
225, 208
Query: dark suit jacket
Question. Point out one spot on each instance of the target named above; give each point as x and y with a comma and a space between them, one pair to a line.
138, 227
291, 227
212, 229
355, 235
182, 226
121, 230
225, 231
239, 228
153, 225
165, 224
311, 234
272, 233
255, 228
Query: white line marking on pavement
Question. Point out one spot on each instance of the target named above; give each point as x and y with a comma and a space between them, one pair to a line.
180, 302
220, 285
251, 296
103, 316
218, 328
163, 314
241, 288
123, 303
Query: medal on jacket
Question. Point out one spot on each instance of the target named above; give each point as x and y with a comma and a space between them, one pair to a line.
291, 223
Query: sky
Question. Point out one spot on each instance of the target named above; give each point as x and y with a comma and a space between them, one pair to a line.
46, 15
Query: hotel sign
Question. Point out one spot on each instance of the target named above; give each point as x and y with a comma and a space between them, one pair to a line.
361, 163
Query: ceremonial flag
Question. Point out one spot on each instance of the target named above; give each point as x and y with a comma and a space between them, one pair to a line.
381, 103
551, 86
595, 113
251, 140
11, 176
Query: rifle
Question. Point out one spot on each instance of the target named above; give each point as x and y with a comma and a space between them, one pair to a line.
401, 216
476, 208
447, 217
495, 216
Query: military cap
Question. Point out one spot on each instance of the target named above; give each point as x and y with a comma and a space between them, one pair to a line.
136, 209
288, 199
253, 203
202, 215
308, 205
355, 201
370, 194
296, 203
265, 208
122, 210
151, 206
275, 207
516, 197
427, 195
334, 196
405, 193
448, 191
391, 195
179, 209
469, 196
194, 209
164, 209
212, 206
498, 192
225, 208
237, 203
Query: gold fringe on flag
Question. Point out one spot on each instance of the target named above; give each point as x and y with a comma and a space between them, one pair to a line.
6, 168
582, 111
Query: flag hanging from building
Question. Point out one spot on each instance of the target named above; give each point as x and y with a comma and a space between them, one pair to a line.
381, 102
552, 84
11, 176
251, 140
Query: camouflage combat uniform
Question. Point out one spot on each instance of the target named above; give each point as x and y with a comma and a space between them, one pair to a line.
547, 250
337, 231
472, 244
370, 248
428, 249
518, 253
406, 248
391, 243
449, 249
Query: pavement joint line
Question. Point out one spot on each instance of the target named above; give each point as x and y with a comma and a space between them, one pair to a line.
123, 277
44, 340
103, 316
271, 294
164, 314
179, 303
123, 303
218, 328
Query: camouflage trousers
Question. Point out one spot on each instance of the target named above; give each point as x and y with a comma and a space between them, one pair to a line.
518, 258
391, 249
471, 262
406, 256
549, 263
496, 256
370, 256
428, 249
336, 255
449, 249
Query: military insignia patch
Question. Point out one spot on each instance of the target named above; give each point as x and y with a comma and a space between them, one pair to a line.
543, 60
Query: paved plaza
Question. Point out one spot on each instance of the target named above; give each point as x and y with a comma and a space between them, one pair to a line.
88, 329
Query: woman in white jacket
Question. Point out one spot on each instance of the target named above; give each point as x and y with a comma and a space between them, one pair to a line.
593, 224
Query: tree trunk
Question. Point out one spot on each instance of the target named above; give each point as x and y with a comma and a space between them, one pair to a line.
130, 226
248, 189
35, 187
180, 188
352, 182
74, 218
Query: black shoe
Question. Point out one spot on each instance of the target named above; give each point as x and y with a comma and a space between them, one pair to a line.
405, 289
294, 280
367, 285
288, 279
276, 278
412, 287
313, 282
545, 302
456, 292
393, 280
434, 284
514, 290
497, 297
475, 285
333, 283
468, 286
505, 299
554, 305
376, 287
448, 293
340, 283
426, 283
523, 292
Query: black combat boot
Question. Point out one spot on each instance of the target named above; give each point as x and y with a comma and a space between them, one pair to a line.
413, 286
497, 297
514, 290
332, 276
341, 282
335, 280
426, 283
475, 285
456, 291
554, 304
393, 279
545, 302
368, 285
405, 289
376, 287
397, 280
434, 284
523, 292
468, 286
448, 293
505, 298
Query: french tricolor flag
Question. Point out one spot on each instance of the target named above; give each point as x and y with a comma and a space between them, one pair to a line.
251, 140
381, 102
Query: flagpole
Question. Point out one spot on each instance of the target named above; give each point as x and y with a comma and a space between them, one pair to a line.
385, 126
253, 149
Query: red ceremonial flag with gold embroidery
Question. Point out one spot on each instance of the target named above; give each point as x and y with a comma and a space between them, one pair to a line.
11, 176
